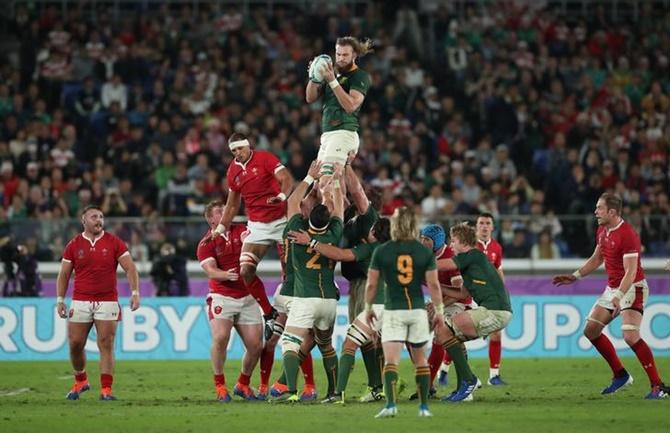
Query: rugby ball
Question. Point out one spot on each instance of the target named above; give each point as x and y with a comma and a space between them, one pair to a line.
315, 67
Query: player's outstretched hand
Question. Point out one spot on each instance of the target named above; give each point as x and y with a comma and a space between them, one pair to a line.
338, 170
327, 72
299, 237
562, 280
667, 266
315, 169
134, 302
62, 310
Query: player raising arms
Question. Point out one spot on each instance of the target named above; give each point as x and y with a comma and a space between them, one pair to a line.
618, 246
403, 263
314, 304
494, 253
343, 92
359, 333
229, 304
258, 178
282, 301
94, 256
481, 281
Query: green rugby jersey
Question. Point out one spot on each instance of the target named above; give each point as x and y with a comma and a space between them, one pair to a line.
355, 230
314, 274
363, 253
403, 266
287, 258
334, 117
482, 280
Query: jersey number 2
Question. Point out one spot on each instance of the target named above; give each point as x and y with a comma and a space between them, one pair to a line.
312, 263
405, 269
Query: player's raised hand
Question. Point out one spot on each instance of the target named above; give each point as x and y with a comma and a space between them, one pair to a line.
62, 310
667, 266
135, 301
327, 72
338, 170
299, 237
315, 169
562, 280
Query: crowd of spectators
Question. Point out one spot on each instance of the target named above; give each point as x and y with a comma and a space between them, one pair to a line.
511, 108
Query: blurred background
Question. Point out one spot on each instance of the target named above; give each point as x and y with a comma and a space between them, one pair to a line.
528, 110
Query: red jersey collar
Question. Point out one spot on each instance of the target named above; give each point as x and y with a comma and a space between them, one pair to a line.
486, 244
615, 227
244, 165
93, 241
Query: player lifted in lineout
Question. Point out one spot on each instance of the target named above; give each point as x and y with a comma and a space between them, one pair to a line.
343, 88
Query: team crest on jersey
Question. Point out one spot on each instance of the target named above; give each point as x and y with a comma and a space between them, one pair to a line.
254, 170
71, 312
218, 250
80, 253
104, 251
237, 180
218, 310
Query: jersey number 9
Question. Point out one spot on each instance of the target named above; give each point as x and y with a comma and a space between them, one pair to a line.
405, 269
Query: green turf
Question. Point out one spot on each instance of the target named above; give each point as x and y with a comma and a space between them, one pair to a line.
544, 395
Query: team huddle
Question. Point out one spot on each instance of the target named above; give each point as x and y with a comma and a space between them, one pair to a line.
327, 218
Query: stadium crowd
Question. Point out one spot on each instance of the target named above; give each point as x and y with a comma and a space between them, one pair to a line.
516, 110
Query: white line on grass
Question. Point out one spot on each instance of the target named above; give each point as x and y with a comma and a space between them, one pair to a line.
11, 393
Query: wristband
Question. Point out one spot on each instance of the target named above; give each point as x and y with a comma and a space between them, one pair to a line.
281, 196
577, 274
60, 300
618, 294
308, 180
333, 84
336, 185
439, 309
368, 307
135, 292
220, 229
313, 243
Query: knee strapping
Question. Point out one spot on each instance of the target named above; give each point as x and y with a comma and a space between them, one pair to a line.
290, 343
357, 335
591, 319
249, 259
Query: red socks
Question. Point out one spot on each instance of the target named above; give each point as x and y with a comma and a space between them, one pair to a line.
606, 349
307, 368
219, 379
646, 358
267, 359
257, 290
106, 380
244, 379
495, 352
437, 353
81, 377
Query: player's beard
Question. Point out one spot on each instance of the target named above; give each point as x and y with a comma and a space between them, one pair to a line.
344, 68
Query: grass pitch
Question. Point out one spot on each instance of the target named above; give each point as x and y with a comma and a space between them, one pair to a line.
543, 395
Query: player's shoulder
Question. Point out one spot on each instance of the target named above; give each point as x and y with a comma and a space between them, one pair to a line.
111, 237
205, 240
